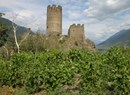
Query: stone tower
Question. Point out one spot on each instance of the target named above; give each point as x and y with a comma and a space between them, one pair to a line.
54, 20
76, 32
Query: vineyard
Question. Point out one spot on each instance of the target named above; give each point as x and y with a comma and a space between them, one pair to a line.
83, 72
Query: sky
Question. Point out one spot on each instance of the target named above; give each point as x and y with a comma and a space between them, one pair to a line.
101, 18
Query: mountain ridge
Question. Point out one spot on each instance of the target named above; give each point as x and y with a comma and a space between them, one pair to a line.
20, 29
121, 38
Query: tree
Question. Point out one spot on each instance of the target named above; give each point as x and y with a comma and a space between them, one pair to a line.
14, 27
34, 43
8, 42
15, 37
3, 34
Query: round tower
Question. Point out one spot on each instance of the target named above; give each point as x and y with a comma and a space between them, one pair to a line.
54, 19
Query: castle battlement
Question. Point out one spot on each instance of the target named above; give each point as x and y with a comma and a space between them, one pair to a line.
77, 25
54, 7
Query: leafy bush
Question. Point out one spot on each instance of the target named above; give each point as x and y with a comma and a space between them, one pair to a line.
76, 70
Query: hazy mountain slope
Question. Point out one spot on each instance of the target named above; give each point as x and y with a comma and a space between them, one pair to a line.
20, 29
121, 38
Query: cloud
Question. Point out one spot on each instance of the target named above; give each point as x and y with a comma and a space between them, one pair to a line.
6, 3
102, 9
106, 17
74, 14
29, 14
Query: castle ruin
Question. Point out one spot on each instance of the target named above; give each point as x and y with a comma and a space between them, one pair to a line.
54, 37
76, 32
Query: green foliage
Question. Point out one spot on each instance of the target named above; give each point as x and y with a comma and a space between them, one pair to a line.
98, 73
33, 43
3, 34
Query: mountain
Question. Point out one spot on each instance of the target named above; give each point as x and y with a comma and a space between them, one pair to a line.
121, 38
20, 30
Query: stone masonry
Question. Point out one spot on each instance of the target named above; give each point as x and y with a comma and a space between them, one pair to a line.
54, 19
76, 32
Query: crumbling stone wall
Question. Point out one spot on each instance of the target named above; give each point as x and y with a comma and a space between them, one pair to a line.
76, 32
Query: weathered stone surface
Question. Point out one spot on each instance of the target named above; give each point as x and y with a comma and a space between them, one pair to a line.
64, 43
76, 32
54, 19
